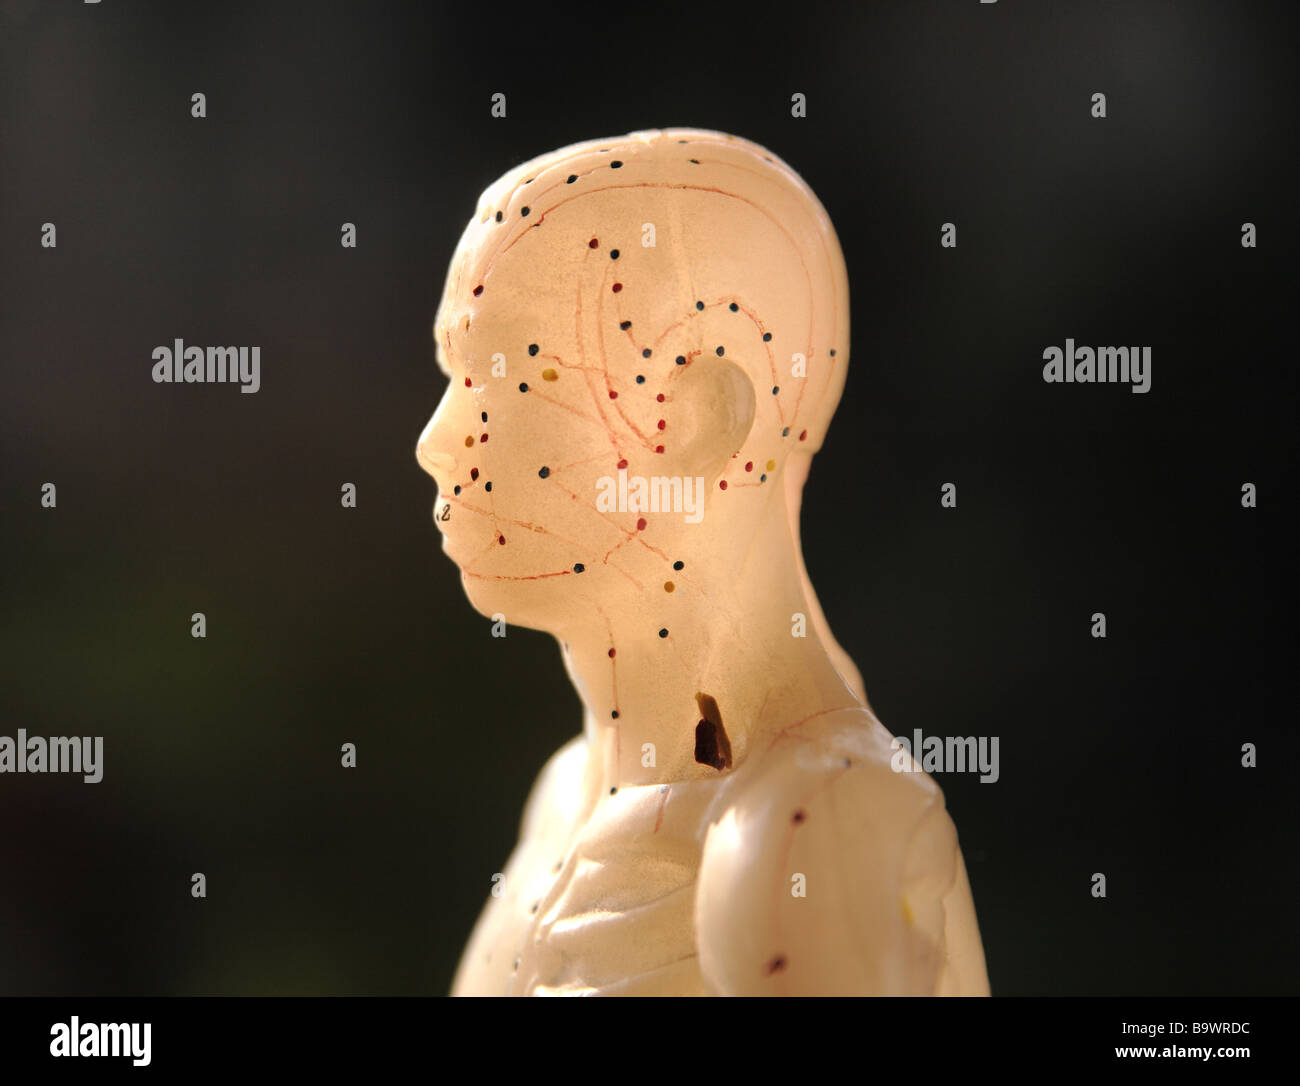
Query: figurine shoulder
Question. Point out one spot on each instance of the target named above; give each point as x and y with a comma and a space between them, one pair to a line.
826, 873
845, 762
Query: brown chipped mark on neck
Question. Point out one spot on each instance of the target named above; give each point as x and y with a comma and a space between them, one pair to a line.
712, 747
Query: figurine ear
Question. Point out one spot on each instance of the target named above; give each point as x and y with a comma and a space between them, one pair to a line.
712, 411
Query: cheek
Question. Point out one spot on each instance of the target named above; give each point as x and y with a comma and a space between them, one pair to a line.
534, 449
544, 483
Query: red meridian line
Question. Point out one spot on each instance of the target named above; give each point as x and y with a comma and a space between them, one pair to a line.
492, 505
560, 361
543, 193
674, 326
626, 331
800, 723
524, 232
827, 262
460, 273
615, 547
565, 406
526, 525
613, 662
803, 384
763, 176
778, 939
578, 463
574, 365
634, 537
619, 569
653, 550
506, 577
613, 678
588, 370
771, 358
590, 374
663, 802
604, 517
690, 358
486, 550
604, 361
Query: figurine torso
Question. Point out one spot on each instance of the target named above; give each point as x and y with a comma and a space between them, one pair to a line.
601, 904
599, 896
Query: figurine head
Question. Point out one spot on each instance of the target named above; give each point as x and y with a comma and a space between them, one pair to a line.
645, 336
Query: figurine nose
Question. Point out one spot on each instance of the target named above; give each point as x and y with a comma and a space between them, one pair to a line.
434, 463
426, 452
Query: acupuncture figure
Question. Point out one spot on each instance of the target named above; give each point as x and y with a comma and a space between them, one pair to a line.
646, 338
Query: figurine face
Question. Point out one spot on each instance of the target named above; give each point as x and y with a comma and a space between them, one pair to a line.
638, 335
558, 475
502, 453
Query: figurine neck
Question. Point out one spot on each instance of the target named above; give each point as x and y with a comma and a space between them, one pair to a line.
683, 691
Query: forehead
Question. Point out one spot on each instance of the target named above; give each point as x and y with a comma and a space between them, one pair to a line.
531, 225
516, 294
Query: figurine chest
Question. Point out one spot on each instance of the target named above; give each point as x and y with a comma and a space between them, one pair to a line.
618, 914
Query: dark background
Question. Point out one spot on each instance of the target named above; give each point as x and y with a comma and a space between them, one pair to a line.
328, 625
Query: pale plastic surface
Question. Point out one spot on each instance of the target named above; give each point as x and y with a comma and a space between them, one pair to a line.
725, 763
